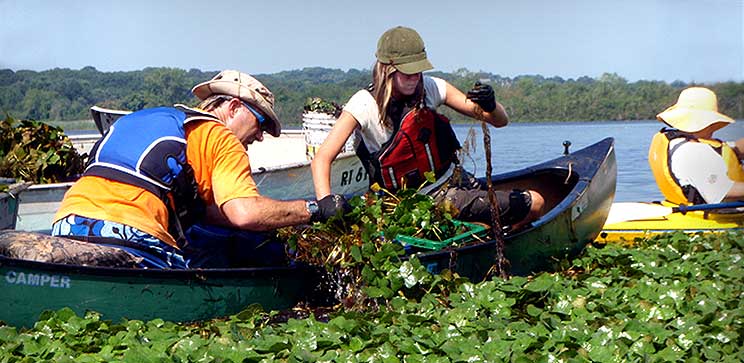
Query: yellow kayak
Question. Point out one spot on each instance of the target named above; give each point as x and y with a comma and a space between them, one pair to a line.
629, 220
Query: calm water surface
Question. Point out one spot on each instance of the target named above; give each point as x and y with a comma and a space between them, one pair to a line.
522, 144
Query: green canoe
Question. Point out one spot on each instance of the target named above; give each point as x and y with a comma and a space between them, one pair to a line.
578, 188
29, 288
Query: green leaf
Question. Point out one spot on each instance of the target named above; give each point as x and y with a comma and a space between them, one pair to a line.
343, 324
542, 282
271, 343
533, 311
356, 253
356, 344
7, 333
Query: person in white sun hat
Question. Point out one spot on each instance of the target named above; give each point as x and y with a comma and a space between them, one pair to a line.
160, 174
691, 166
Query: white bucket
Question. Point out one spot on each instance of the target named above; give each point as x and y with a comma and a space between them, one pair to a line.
316, 127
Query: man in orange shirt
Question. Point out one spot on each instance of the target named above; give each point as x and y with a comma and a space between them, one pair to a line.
159, 171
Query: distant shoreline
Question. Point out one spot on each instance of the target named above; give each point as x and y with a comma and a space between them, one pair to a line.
64, 94
84, 127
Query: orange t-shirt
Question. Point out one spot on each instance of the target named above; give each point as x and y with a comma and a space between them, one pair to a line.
221, 169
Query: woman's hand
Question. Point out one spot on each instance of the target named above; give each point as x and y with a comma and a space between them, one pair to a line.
482, 94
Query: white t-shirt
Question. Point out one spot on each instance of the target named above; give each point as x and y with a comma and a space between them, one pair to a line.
697, 164
364, 109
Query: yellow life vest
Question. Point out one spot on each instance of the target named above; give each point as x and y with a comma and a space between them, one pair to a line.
659, 161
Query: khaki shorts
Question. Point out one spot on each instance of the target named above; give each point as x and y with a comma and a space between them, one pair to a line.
470, 201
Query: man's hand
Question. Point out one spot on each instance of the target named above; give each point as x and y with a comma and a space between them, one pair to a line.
331, 205
482, 94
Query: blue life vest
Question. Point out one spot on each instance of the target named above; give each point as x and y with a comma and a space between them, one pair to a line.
147, 149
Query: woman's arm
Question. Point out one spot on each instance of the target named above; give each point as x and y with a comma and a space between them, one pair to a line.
328, 151
460, 103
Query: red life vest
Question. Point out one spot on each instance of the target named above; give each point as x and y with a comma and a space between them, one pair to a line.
424, 142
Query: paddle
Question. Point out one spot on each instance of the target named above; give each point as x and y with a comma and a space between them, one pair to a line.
689, 208
623, 212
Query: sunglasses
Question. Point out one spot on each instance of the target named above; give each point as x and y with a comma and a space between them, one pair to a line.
259, 117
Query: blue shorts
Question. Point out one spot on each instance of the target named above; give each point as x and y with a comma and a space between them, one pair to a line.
207, 247
155, 253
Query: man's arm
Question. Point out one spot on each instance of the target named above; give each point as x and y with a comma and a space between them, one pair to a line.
262, 213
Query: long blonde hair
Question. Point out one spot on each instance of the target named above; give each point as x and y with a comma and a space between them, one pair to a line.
382, 90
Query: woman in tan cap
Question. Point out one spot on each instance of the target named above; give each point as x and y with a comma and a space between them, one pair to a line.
159, 171
689, 165
403, 137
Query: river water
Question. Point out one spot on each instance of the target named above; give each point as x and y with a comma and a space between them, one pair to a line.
522, 144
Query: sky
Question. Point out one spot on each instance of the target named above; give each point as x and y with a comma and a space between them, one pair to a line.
698, 41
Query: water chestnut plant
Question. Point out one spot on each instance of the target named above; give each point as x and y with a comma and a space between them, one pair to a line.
359, 249
37, 152
671, 298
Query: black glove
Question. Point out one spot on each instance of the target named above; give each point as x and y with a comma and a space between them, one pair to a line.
331, 205
482, 94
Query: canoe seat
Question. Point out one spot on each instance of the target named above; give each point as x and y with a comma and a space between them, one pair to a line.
40, 247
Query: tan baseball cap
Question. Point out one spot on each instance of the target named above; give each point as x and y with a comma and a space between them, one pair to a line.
404, 49
243, 86
696, 109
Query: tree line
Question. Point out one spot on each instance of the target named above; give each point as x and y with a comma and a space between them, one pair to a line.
63, 94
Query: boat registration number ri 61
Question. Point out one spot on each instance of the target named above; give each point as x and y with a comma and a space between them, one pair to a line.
353, 175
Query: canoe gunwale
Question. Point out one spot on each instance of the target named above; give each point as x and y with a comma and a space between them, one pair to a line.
189, 274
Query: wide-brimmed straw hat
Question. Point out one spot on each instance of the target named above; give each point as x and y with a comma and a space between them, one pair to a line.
243, 86
404, 49
696, 109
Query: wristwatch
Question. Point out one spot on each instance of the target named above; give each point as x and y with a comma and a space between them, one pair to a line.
312, 208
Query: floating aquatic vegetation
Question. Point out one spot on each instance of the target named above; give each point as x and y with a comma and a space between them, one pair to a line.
356, 249
37, 152
612, 304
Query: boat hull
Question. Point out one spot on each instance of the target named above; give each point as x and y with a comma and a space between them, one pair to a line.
634, 220
579, 190
29, 288
295, 181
